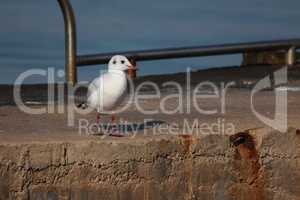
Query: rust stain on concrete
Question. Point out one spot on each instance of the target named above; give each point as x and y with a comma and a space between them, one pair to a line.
187, 141
246, 162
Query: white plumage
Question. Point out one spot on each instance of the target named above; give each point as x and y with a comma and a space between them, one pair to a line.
106, 91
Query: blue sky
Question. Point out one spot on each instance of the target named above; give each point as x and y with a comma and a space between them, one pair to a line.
32, 36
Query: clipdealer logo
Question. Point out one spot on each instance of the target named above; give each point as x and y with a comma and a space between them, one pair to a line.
279, 122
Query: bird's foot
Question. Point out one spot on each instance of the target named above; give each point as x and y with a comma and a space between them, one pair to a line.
115, 133
98, 118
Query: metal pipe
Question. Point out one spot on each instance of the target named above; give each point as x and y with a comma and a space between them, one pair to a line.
70, 41
195, 51
291, 56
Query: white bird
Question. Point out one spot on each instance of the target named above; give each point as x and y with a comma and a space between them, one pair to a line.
108, 90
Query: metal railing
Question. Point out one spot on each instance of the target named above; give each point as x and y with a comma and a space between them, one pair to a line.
73, 60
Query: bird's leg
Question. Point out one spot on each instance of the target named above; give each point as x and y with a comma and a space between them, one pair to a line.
113, 119
98, 118
115, 132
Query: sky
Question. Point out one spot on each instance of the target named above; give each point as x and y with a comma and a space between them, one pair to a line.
32, 31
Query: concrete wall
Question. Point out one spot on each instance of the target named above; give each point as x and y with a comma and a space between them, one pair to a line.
257, 164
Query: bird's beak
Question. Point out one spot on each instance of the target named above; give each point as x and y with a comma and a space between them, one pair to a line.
131, 71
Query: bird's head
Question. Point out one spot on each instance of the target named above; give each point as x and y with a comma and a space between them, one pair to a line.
121, 63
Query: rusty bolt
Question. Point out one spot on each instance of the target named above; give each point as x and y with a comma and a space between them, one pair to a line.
242, 138
238, 140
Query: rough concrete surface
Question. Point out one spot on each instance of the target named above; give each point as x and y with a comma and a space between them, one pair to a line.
43, 158
249, 165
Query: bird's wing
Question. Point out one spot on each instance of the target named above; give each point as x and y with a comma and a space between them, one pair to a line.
106, 91
98, 82
95, 89
94, 86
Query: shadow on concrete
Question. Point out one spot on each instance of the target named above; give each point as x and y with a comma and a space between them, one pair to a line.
128, 128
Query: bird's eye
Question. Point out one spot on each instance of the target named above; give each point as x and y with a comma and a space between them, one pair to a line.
122, 61
114, 62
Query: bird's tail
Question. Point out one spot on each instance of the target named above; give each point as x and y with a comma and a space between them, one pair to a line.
82, 105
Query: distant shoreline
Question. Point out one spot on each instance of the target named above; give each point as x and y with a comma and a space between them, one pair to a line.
244, 77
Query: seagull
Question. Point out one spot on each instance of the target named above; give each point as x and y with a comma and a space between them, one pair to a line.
108, 90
